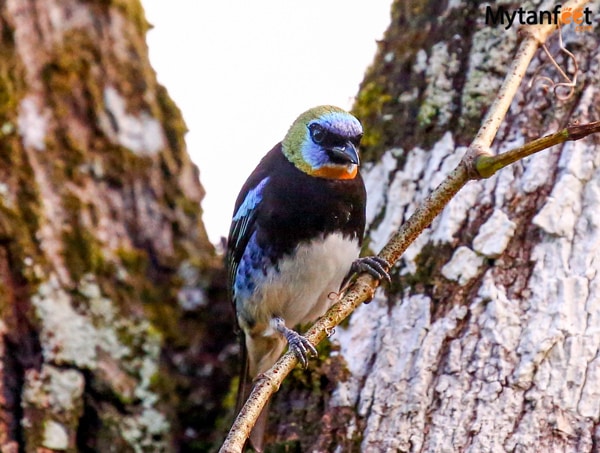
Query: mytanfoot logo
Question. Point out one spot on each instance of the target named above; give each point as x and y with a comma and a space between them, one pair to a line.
581, 17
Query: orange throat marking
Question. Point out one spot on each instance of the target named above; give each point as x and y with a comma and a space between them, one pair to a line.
336, 172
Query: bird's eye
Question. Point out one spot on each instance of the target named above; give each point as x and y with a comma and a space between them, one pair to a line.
317, 133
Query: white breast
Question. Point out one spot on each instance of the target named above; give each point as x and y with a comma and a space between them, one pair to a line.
299, 291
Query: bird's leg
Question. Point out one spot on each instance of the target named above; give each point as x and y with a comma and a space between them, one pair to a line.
299, 345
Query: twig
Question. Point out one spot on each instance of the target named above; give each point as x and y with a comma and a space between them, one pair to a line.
487, 165
477, 159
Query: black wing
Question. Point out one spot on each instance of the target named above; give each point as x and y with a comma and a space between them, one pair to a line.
247, 208
240, 232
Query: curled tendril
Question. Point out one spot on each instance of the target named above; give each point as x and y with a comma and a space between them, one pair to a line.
549, 84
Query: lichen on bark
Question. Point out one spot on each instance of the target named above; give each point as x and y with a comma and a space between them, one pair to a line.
106, 267
493, 302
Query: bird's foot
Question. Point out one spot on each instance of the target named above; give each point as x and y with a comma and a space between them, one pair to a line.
377, 267
299, 345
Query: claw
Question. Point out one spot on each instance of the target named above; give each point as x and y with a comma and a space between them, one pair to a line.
299, 345
375, 266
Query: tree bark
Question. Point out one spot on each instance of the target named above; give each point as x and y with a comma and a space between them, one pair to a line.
110, 292
106, 272
488, 338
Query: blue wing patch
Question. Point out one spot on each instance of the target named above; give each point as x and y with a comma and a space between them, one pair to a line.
251, 201
242, 229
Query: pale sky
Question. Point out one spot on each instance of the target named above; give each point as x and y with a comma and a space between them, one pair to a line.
242, 71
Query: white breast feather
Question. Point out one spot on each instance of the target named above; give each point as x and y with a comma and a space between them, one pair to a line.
299, 291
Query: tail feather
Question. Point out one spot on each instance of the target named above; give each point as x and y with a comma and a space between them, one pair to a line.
245, 383
257, 435
244, 389
265, 351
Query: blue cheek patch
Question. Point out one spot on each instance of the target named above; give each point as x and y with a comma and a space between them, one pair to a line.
340, 123
313, 154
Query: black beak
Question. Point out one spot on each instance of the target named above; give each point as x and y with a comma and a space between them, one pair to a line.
346, 153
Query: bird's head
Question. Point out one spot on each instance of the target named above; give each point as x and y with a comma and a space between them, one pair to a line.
323, 142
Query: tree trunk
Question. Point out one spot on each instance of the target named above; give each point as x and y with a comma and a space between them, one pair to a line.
109, 288
488, 339
105, 268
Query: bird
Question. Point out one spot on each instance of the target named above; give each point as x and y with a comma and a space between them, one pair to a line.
295, 237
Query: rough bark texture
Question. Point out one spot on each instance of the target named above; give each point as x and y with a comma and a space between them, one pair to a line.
110, 294
105, 269
488, 339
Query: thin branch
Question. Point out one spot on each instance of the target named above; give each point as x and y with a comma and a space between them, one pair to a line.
487, 165
476, 159
534, 37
